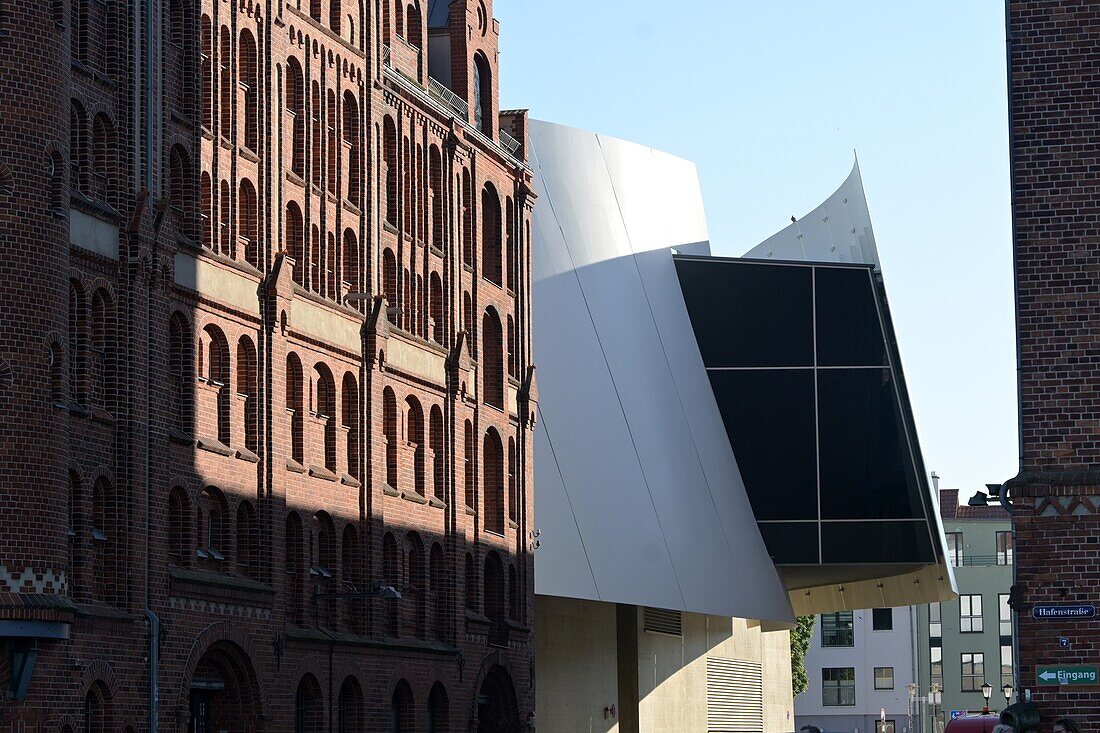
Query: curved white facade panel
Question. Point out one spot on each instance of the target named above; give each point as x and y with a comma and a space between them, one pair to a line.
639, 498
838, 230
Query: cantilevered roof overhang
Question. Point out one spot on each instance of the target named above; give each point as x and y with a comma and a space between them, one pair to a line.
655, 460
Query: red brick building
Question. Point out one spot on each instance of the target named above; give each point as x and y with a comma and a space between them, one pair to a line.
1055, 148
265, 358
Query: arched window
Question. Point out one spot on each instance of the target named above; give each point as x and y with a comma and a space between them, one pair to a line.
350, 275
437, 583
206, 215
294, 407
349, 708
483, 95
101, 355
351, 148
435, 197
97, 713
414, 35
247, 556
206, 88
390, 433
494, 588
214, 375
513, 497
294, 566
490, 235
468, 322
510, 244
180, 371
513, 594
78, 324
351, 569
246, 393
334, 16
470, 579
296, 111
391, 573
435, 308
211, 521
225, 220
512, 365
248, 222
436, 439
314, 264
414, 596
349, 416
104, 156
467, 219
309, 709
78, 144
225, 62
333, 150
178, 60
179, 188
295, 241
468, 463
324, 411
315, 10
438, 710
330, 268
492, 478
248, 77
75, 531
56, 168
317, 164
101, 558
389, 284
179, 528
322, 546
401, 706
492, 359
389, 147
414, 435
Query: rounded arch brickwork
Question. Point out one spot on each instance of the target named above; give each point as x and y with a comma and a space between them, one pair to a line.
218, 632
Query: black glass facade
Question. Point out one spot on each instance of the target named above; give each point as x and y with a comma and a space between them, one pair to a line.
803, 367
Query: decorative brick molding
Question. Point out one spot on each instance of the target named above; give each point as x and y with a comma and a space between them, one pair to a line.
1078, 506
29, 580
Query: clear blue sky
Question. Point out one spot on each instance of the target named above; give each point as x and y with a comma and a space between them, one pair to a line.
770, 99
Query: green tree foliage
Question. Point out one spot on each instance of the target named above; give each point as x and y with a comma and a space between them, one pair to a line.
801, 635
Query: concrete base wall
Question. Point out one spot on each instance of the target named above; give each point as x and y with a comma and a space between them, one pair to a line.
577, 663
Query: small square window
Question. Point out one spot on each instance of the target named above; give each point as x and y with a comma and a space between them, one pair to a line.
882, 619
884, 678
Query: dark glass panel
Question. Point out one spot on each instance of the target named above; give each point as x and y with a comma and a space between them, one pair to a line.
791, 543
769, 417
866, 467
749, 315
848, 329
875, 542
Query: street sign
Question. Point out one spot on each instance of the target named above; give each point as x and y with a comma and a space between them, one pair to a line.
956, 714
1058, 612
1055, 675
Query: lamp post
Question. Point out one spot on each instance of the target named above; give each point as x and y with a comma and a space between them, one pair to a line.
1007, 690
987, 690
912, 700
934, 700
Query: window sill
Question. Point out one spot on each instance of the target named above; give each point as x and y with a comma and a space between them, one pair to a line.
348, 480
413, 497
471, 512
322, 473
100, 415
436, 503
245, 454
294, 467
214, 446
390, 491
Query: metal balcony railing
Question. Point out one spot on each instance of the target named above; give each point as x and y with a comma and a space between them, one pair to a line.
508, 142
449, 98
983, 560
386, 54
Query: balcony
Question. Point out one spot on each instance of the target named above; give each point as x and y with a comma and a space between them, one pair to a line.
982, 560
448, 98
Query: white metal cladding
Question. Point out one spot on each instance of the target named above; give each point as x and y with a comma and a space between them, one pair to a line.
735, 696
639, 498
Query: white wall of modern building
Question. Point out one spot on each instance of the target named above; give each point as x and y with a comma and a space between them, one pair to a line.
857, 671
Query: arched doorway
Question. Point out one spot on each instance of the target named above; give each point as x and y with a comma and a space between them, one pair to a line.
223, 694
497, 711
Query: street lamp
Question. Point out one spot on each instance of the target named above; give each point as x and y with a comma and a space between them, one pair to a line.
987, 690
1007, 690
912, 701
934, 697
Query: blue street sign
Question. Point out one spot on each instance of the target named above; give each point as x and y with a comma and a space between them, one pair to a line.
956, 714
1058, 612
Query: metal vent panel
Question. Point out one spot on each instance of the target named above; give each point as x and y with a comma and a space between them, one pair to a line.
663, 621
735, 696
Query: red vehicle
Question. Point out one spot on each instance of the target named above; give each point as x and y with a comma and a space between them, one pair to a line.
974, 723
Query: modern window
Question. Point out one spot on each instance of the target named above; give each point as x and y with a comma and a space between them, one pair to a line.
838, 686
1006, 665
837, 629
973, 671
1004, 615
935, 627
884, 678
1004, 548
955, 548
936, 674
970, 614
882, 619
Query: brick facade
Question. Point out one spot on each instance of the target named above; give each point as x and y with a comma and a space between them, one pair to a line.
1055, 145
265, 297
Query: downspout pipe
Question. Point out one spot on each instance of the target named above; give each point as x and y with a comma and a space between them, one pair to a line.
154, 669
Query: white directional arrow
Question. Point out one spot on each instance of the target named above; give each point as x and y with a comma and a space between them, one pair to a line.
1047, 676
